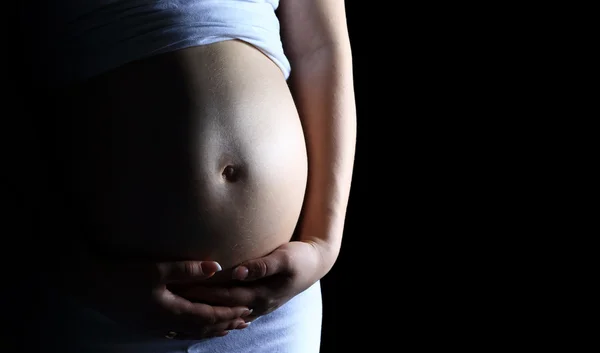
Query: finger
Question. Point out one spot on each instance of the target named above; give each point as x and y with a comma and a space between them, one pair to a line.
182, 271
217, 330
222, 296
258, 296
200, 313
269, 265
237, 324
212, 315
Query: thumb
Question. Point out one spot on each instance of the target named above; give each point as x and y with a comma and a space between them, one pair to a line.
181, 271
275, 262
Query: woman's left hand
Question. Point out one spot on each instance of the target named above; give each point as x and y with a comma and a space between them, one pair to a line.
266, 283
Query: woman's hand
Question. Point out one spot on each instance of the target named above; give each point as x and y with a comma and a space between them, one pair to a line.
266, 283
136, 294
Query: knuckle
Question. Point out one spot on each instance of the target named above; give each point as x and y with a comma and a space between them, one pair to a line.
191, 268
271, 304
287, 259
212, 318
260, 269
263, 304
204, 332
226, 294
185, 309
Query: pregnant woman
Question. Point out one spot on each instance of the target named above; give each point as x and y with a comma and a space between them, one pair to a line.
204, 152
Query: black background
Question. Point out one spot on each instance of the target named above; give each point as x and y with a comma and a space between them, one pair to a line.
344, 288
414, 270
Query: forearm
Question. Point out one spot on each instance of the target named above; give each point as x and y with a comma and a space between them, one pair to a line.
322, 86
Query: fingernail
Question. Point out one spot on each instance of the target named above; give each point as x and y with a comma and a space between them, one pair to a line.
247, 312
242, 326
241, 273
211, 266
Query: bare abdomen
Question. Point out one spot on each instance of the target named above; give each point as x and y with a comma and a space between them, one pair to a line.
196, 154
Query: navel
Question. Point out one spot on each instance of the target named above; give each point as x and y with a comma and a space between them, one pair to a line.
231, 173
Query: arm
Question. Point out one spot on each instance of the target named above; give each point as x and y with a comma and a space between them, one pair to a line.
322, 87
315, 37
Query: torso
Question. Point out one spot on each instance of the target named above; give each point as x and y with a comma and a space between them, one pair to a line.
195, 154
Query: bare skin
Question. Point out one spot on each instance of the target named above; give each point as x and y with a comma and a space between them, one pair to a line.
147, 146
194, 155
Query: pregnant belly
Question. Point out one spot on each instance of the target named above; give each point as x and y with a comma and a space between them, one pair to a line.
196, 154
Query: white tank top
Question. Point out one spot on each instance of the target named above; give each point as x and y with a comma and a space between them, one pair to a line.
89, 37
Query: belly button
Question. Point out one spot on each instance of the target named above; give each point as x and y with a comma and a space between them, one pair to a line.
231, 174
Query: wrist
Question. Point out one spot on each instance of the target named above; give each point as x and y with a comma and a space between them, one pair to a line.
326, 252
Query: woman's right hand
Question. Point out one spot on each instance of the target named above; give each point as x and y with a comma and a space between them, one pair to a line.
136, 294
